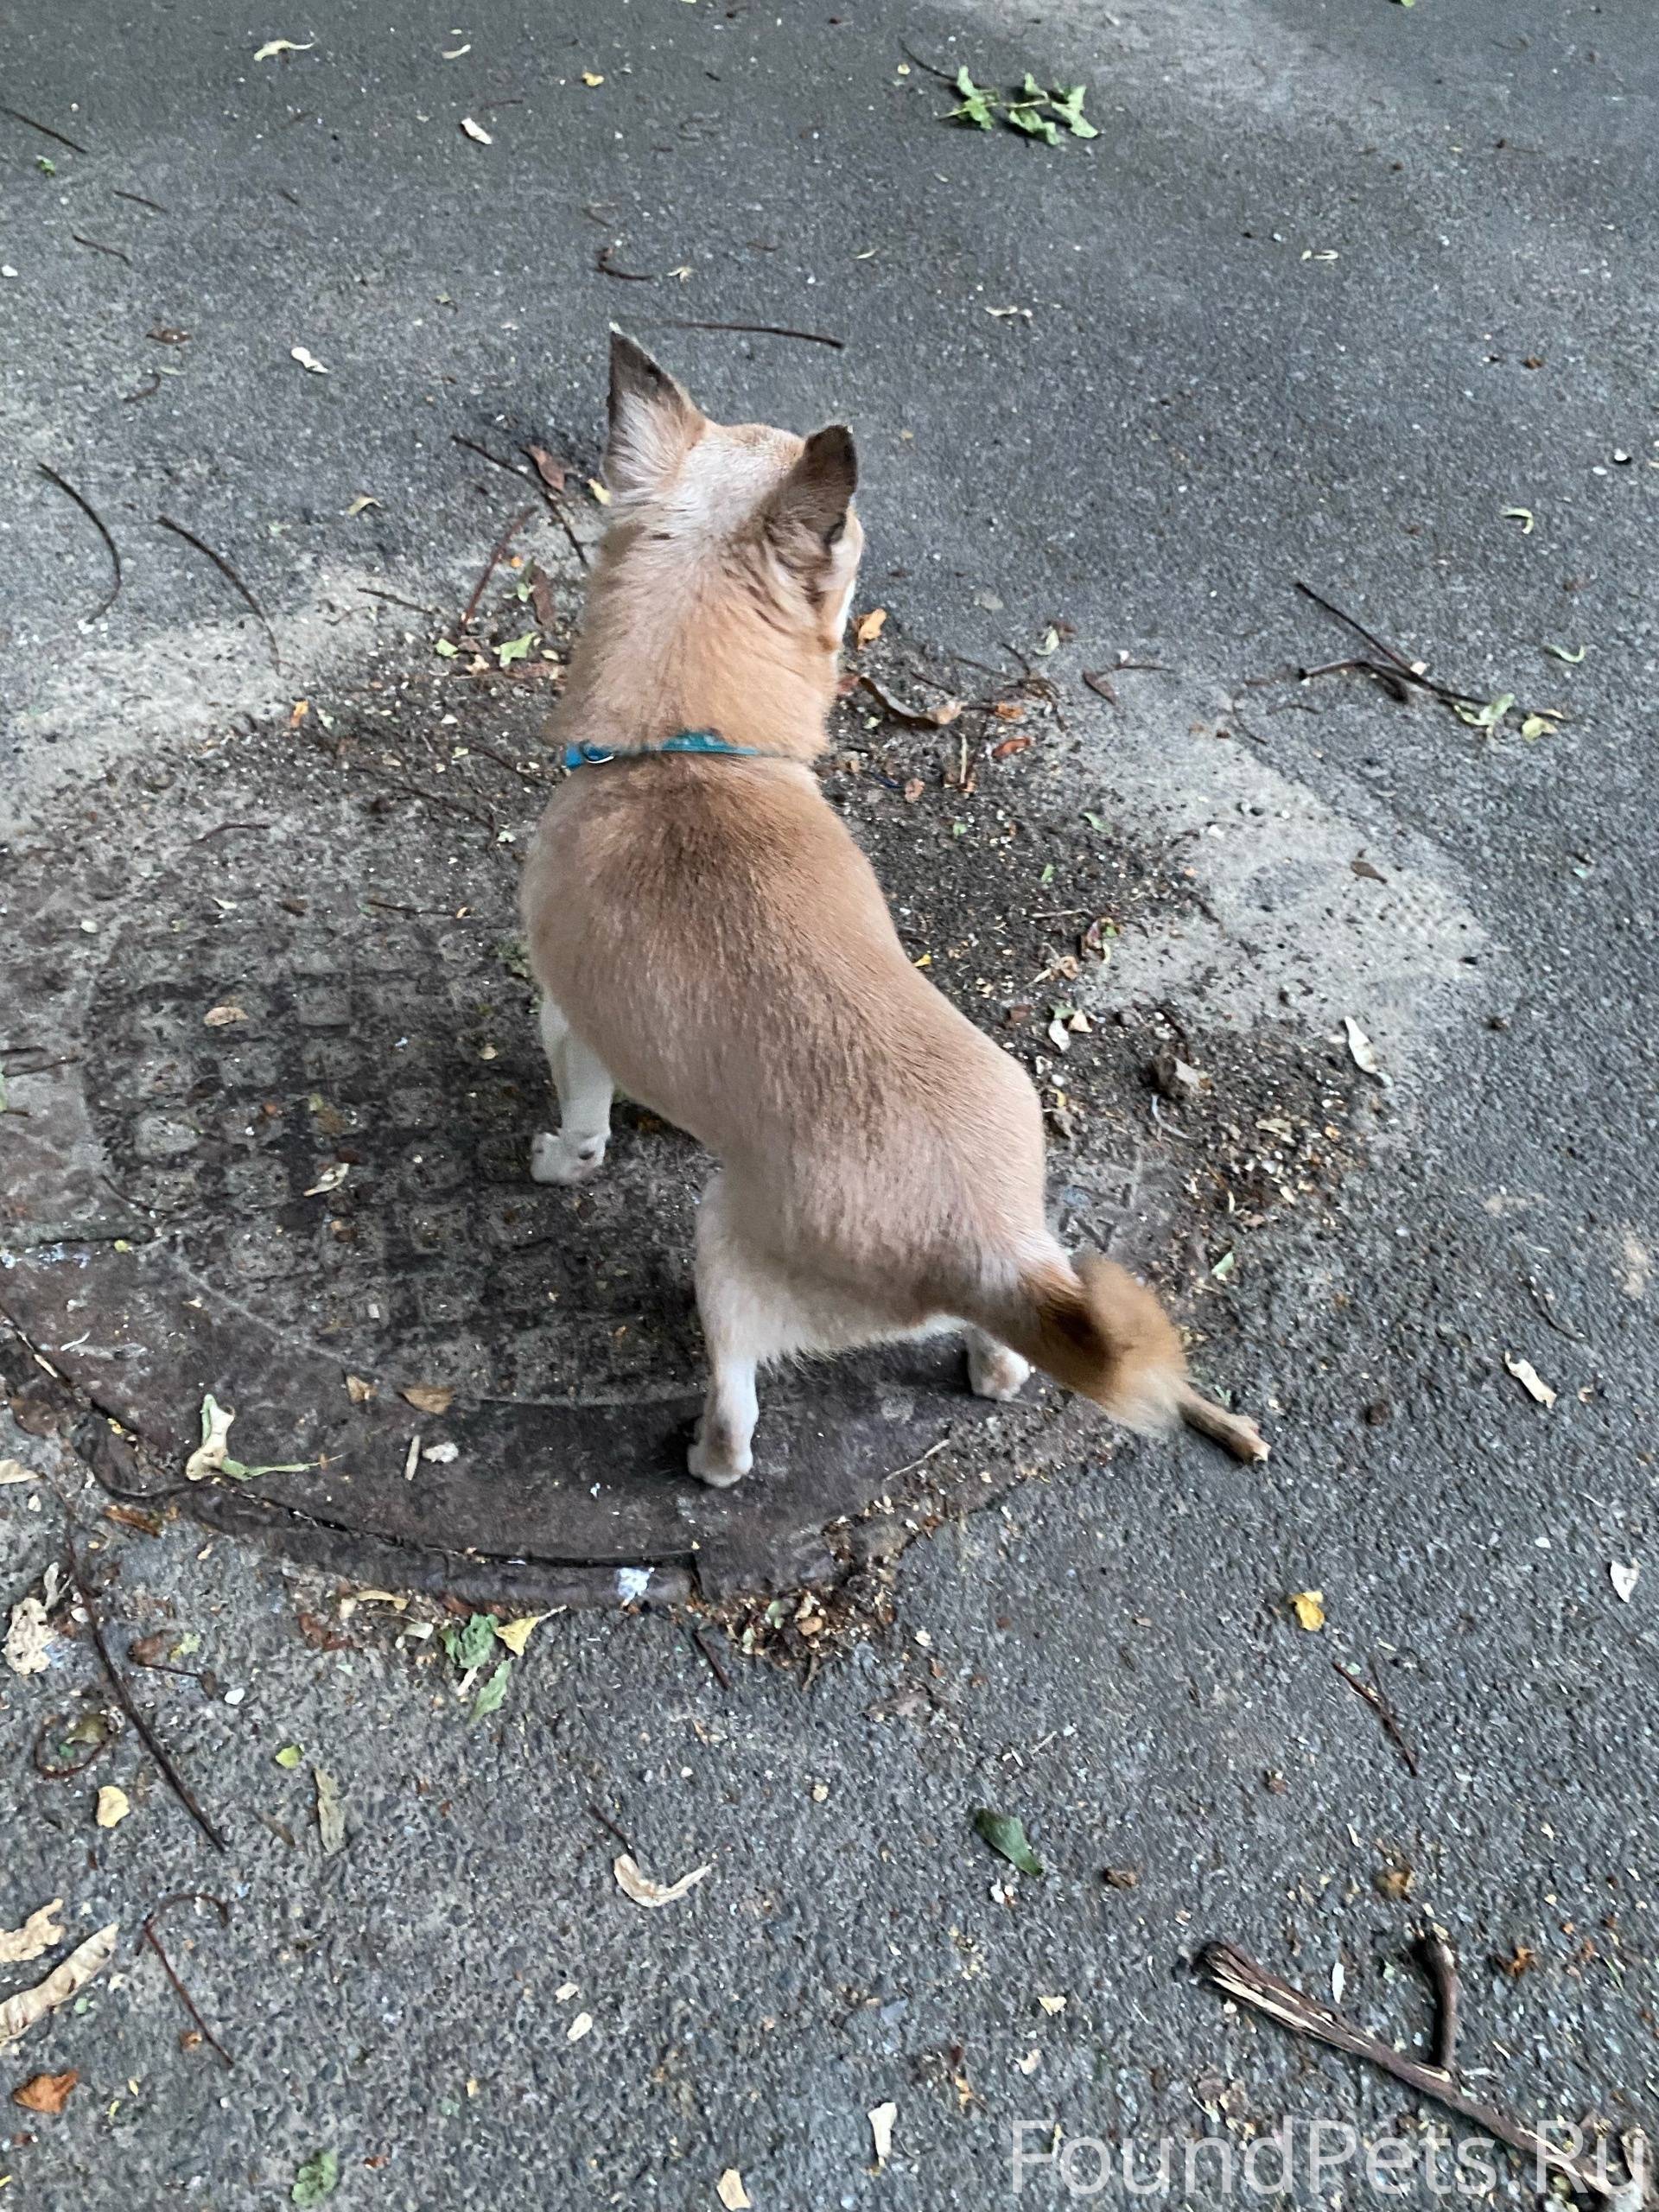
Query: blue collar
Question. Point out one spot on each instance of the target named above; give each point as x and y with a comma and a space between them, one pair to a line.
587, 755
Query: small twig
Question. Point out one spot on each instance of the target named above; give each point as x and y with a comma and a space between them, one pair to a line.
98, 246
46, 130
98, 525
949, 76
496, 551
170, 1773
139, 200
1377, 644
413, 605
483, 454
1440, 1962
604, 266
149, 1936
1372, 1694
436, 798
751, 329
232, 578
606, 1821
146, 391
717, 1665
1544, 1301
225, 826
1241, 1979
1401, 669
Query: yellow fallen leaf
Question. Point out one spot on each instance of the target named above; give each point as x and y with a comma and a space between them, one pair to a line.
114, 1805
19, 2013
599, 492
589, 78
429, 1397
1309, 1607
871, 626
640, 1887
731, 2192
40, 1932
517, 1634
1530, 1379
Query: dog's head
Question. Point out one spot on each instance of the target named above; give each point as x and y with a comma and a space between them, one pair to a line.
732, 499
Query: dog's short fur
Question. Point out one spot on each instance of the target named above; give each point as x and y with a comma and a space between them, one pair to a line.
708, 936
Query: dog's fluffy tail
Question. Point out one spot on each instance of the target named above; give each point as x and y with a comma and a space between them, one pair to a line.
1104, 1335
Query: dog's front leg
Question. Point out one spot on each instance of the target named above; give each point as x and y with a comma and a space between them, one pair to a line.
733, 1304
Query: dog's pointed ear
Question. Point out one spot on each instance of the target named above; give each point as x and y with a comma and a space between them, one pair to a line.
808, 514
654, 422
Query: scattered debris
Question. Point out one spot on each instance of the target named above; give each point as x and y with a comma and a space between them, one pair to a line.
46, 2093
1308, 1606
1530, 1379
1239, 1976
643, 1891
1037, 111
67, 1980
39, 1933
1005, 1834
114, 1805
881, 2118
331, 1811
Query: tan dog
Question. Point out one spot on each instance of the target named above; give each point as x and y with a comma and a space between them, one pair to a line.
708, 936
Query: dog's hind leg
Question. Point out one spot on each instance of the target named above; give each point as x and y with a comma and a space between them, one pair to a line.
576, 1151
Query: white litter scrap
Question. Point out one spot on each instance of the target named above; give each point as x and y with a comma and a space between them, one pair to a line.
881, 2118
641, 1888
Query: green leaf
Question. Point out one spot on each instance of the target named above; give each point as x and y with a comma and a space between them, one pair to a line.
516, 648
489, 1698
240, 1472
1094, 821
1031, 90
1223, 1267
1562, 653
289, 1755
317, 2178
471, 1645
45, 165
1538, 726
1486, 717
977, 103
1034, 124
1006, 1834
444, 650
1066, 101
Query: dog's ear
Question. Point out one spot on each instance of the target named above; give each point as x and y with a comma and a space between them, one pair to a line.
654, 422
807, 515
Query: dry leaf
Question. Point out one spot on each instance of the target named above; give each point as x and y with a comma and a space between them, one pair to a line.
19, 2013
329, 1178
357, 1390
114, 1805
46, 2093
1362, 1050
1009, 747
1053, 2005
1394, 1883
1623, 1578
306, 360
599, 491
331, 1811
476, 130
1309, 1608
870, 627
640, 1887
209, 1455
360, 504
14, 1471
590, 79
221, 1017
40, 1932
1530, 1379
429, 1397
549, 468
881, 2118
514, 1634
282, 46
731, 2192
28, 1638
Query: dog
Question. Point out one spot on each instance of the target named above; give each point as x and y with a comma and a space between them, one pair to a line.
706, 936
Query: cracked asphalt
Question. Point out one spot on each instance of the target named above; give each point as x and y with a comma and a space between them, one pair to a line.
1343, 292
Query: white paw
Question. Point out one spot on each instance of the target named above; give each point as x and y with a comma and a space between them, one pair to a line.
994, 1371
718, 1473
553, 1158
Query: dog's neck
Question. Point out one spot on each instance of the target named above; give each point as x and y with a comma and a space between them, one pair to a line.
668, 646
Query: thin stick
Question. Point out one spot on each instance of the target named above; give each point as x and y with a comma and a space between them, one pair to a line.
149, 1936
1440, 1962
1372, 1694
139, 200
170, 1773
606, 1821
604, 266
98, 523
716, 1664
752, 329
948, 75
496, 552
1232, 1971
1377, 644
232, 578
1401, 669
413, 605
98, 246
483, 454
46, 130
1235, 1432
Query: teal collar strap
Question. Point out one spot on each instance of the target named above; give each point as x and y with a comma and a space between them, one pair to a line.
587, 755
